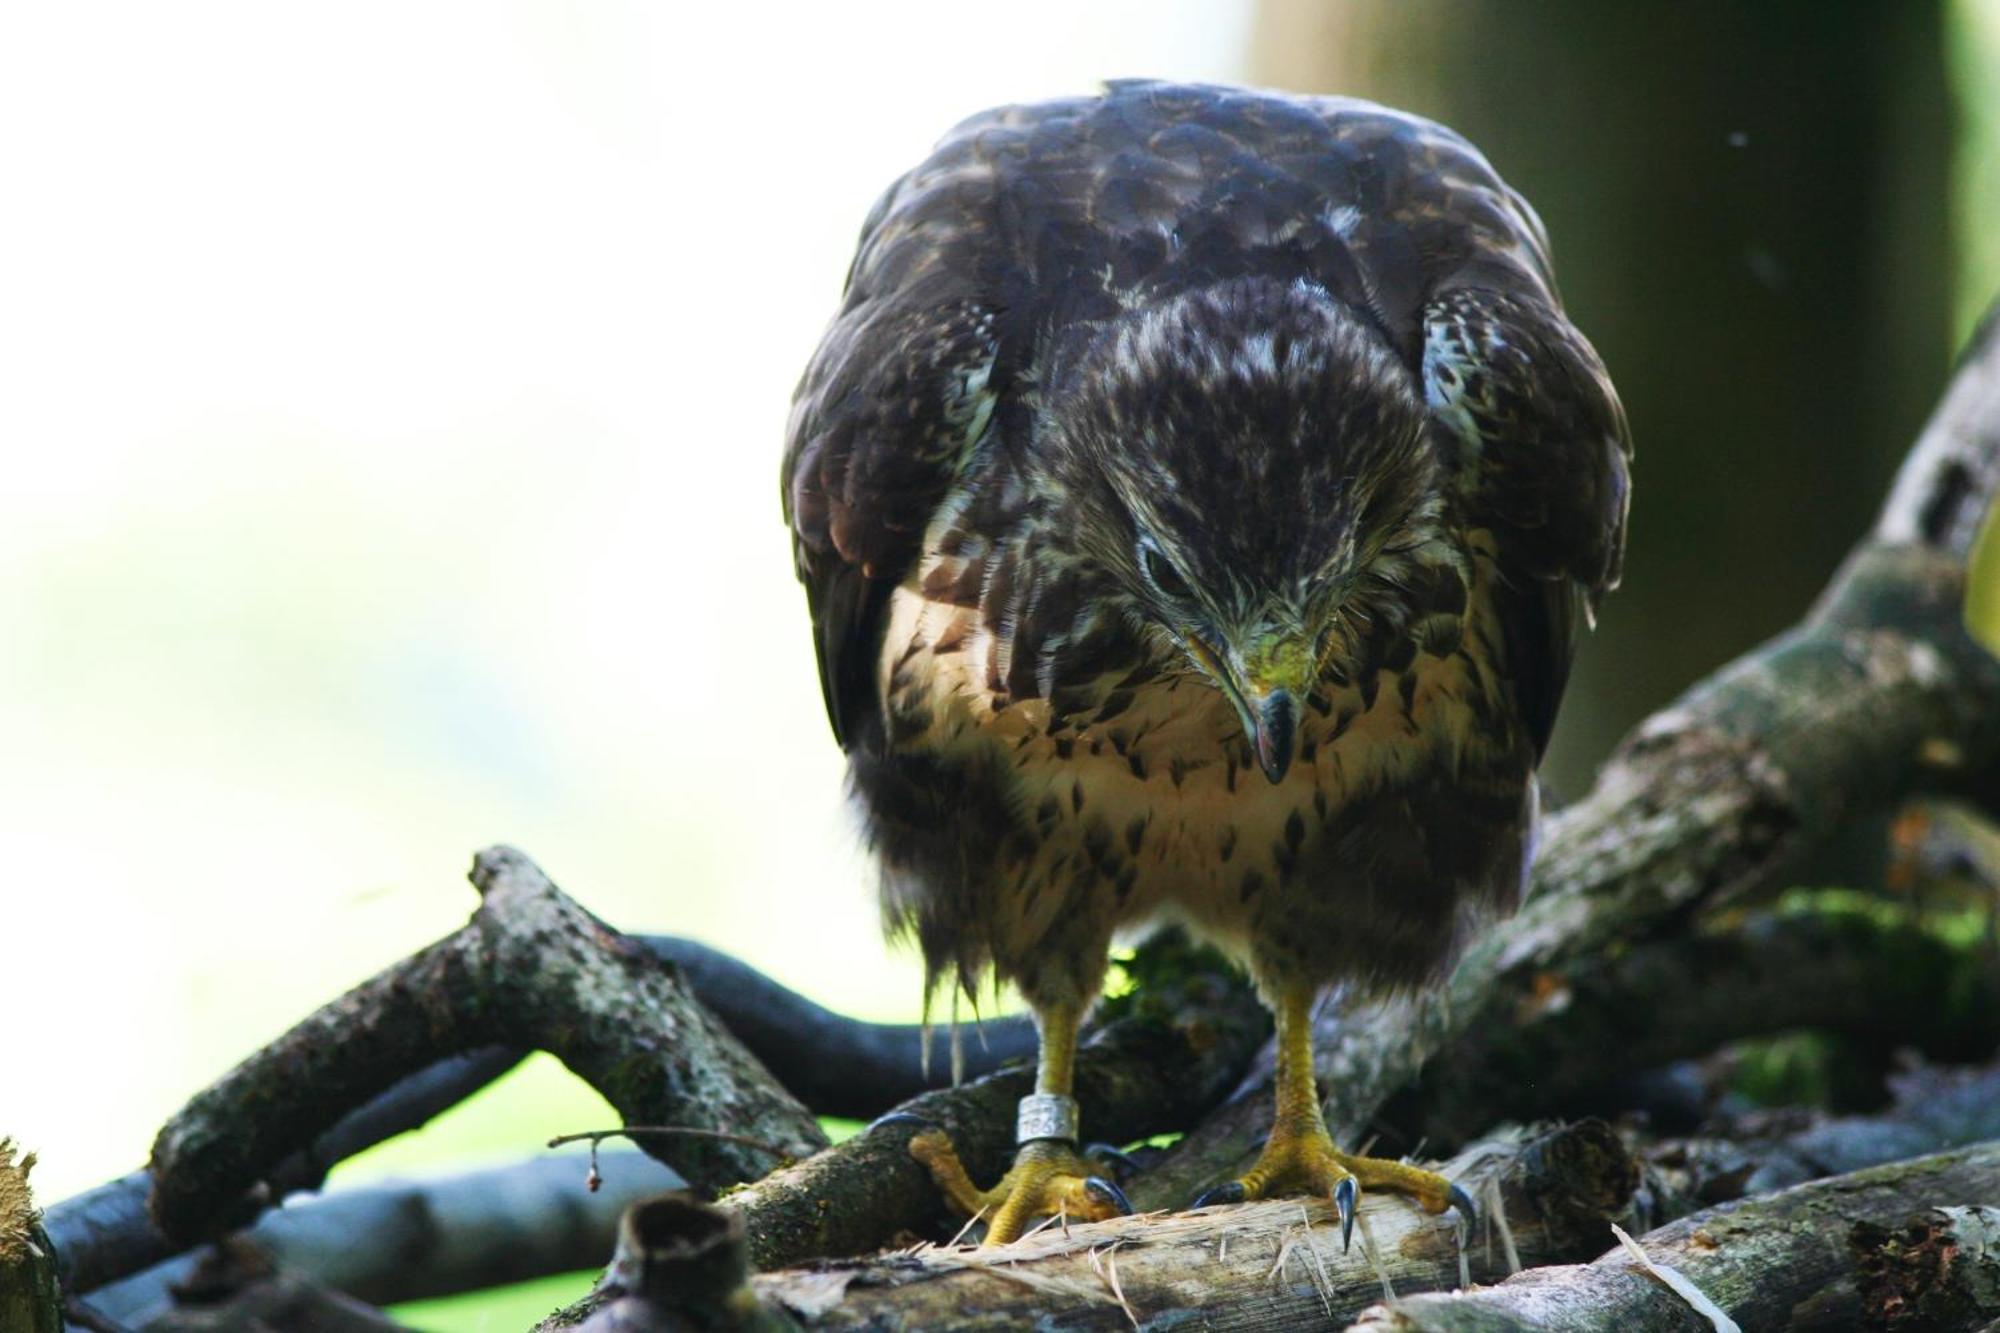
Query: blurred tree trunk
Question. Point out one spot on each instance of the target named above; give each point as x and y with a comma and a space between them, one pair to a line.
1748, 208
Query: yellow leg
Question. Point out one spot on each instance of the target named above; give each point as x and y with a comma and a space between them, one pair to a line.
1048, 1177
1300, 1156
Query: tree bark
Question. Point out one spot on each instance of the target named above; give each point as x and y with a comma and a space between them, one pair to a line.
1937, 1272
834, 1064
409, 1240
681, 1265
1761, 1261
530, 966
1885, 984
1277, 1264
861, 1194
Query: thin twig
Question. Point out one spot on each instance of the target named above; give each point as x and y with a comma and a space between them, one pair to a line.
635, 1132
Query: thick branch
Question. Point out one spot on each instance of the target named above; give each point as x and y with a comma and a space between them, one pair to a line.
836, 1065
1757, 1259
407, 1240
1558, 1194
530, 966
857, 1196
1601, 1019
1934, 1110
1879, 693
1282, 1258
237, 1289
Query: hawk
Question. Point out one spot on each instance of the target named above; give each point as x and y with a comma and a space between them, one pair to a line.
1198, 497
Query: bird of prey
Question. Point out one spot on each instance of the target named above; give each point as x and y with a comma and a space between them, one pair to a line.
1198, 495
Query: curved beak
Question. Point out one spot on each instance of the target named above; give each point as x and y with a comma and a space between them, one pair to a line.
1270, 716
1274, 731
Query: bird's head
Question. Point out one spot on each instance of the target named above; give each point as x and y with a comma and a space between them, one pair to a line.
1245, 469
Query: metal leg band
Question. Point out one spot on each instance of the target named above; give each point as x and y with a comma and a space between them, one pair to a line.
1046, 1115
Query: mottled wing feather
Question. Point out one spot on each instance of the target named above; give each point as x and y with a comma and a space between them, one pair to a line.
1544, 469
899, 394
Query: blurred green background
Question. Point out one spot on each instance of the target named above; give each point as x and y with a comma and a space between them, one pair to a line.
394, 402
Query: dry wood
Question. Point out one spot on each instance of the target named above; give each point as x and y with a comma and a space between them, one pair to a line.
1937, 1272
531, 966
682, 1265
1762, 1261
1268, 1265
30, 1297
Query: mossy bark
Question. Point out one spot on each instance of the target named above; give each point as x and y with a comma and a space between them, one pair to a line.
1761, 1261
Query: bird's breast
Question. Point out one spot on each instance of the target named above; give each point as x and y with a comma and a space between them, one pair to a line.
1160, 802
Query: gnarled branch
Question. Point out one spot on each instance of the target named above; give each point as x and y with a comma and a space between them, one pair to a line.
1756, 1259
530, 966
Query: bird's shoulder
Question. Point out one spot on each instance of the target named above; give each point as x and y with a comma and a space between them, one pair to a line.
1071, 210
1028, 221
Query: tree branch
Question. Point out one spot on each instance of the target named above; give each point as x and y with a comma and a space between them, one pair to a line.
1934, 1110
858, 1195
836, 1065
530, 965
409, 1240
1283, 1257
237, 1289
1599, 1020
1757, 1259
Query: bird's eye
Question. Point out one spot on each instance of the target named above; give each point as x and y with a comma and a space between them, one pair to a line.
1160, 572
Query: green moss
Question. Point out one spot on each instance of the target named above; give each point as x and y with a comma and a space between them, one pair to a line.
1795, 1069
1157, 973
1957, 927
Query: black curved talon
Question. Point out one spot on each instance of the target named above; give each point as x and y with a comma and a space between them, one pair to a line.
1468, 1212
1229, 1191
901, 1118
1121, 1164
1345, 1195
1106, 1191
